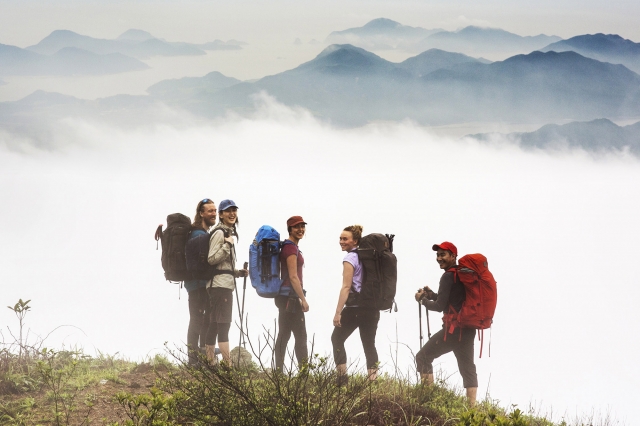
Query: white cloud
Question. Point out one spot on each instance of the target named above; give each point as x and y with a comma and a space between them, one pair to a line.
462, 21
558, 230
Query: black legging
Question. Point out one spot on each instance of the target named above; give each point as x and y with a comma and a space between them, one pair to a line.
364, 319
290, 322
198, 318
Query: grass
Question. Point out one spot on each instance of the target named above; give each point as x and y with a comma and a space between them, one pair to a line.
68, 387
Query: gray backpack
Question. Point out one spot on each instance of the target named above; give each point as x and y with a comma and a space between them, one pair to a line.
174, 240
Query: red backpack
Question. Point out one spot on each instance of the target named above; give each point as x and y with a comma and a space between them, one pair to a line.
481, 296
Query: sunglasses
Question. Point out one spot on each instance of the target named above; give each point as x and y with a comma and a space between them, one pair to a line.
203, 202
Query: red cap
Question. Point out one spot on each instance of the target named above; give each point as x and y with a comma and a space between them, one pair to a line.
294, 220
446, 246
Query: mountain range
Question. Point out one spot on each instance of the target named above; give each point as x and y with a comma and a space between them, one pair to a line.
66, 61
484, 41
603, 47
190, 87
134, 43
598, 136
349, 86
381, 34
67, 53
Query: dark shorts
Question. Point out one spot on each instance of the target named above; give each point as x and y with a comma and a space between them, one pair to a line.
221, 301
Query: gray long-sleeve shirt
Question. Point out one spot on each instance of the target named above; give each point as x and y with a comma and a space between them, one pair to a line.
449, 293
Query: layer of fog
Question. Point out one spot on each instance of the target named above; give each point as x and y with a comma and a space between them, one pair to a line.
253, 61
558, 229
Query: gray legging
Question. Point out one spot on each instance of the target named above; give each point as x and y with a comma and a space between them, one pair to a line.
460, 342
364, 319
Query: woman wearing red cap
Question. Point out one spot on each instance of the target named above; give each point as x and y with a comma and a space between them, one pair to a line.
292, 303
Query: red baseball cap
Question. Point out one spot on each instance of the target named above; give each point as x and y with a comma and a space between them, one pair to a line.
446, 246
294, 220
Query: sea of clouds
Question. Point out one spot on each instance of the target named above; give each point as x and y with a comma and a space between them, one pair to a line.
559, 228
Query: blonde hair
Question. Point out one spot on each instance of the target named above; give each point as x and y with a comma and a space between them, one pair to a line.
356, 232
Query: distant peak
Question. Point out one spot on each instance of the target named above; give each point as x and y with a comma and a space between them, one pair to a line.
537, 55
335, 47
602, 35
598, 36
382, 23
476, 29
59, 33
135, 35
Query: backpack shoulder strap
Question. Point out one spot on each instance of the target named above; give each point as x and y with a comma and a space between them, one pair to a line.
287, 242
219, 227
454, 270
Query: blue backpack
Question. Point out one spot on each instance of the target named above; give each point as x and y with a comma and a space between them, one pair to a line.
264, 263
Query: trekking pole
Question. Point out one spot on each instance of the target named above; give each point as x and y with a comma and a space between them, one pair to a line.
244, 289
428, 326
235, 285
420, 321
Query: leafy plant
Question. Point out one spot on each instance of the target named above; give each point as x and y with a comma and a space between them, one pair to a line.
20, 309
58, 371
155, 409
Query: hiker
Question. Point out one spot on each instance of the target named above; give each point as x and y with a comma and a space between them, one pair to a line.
349, 315
291, 308
204, 219
451, 294
220, 289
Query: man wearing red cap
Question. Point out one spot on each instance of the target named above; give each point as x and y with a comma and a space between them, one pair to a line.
449, 299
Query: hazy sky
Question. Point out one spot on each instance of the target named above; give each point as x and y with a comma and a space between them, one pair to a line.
270, 28
27, 21
77, 227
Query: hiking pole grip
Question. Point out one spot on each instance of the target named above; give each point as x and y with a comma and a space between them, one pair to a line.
244, 285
